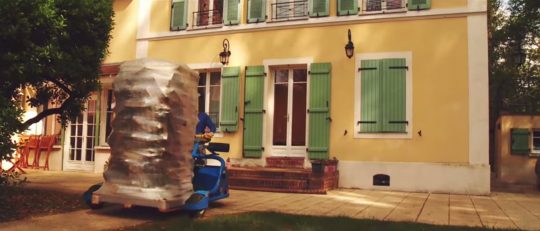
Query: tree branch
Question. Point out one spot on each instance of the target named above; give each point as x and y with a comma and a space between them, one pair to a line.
59, 84
45, 113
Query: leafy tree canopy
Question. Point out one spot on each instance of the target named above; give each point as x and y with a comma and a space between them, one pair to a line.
55, 48
514, 28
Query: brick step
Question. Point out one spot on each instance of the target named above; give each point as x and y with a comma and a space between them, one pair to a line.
275, 183
282, 180
285, 162
275, 173
307, 191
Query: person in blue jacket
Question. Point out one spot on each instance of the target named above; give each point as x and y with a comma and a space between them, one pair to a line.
206, 128
205, 124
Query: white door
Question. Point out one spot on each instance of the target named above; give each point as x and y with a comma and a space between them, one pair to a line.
289, 112
79, 141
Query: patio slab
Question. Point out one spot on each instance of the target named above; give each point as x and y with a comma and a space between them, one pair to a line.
498, 210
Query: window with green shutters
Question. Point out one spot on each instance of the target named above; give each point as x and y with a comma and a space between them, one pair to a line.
179, 15
231, 13
519, 141
383, 96
254, 111
256, 11
319, 110
318, 8
230, 86
419, 4
347, 7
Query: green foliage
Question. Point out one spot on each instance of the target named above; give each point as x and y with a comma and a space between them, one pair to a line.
514, 28
55, 48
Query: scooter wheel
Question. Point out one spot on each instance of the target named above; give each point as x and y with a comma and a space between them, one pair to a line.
197, 213
87, 197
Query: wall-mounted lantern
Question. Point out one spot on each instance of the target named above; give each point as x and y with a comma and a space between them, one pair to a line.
349, 48
226, 53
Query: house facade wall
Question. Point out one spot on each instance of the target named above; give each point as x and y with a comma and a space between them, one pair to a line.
445, 145
511, 167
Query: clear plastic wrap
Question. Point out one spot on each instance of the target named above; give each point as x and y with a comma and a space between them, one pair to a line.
152, 136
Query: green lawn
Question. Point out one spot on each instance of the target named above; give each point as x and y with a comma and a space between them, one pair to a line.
21, 202
261, 221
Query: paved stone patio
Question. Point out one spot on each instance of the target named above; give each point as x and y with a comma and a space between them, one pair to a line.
499, 210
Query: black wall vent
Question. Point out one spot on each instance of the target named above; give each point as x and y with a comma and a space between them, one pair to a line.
381, 180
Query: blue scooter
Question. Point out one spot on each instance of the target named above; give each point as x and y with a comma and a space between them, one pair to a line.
210, 179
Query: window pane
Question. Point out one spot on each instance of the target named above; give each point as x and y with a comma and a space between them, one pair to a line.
79, 130
78, 143
217, 12
300, 75
215, 78
89, 155
89, 143
393, 4
536, 140
202, 79
202, 91
282, 76
280, 111
90, 131
299, 114
373, 5
214, 104
79, 152
204, 6
110, 99
90, 118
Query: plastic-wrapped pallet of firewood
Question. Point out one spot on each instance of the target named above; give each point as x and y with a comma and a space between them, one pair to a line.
152, 137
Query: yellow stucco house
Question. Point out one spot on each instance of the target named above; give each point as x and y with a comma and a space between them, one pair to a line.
517, 147
410, 103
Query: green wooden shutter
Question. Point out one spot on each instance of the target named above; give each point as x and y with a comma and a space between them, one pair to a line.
230, 16
256, 11
230, 86
419, 4
319, 110
393, 95
318, 8
179, 15
253, 111
520, 141
347, 7
370, 96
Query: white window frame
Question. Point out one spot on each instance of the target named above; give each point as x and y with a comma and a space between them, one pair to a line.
407, 55
363, 6
268, 122
536, 152
208, 67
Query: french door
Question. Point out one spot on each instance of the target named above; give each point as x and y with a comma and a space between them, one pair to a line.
79, 140
289, 114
